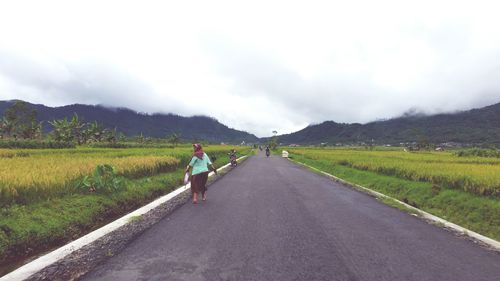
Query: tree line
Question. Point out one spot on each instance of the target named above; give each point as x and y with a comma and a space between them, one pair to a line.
20, 123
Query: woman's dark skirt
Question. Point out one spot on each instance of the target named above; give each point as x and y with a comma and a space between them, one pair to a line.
199, 182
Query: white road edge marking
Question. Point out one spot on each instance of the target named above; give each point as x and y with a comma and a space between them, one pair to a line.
486, 240
40, 263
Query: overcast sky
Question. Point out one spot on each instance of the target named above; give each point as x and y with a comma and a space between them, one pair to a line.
257, 66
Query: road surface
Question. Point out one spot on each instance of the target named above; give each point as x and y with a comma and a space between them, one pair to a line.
270, 219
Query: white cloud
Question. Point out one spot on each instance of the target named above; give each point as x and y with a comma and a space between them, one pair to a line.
257, 66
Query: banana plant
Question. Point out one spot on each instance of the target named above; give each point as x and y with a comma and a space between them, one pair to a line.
174, 139
95, 132
6, 127
104, 179
78, 129
62, 130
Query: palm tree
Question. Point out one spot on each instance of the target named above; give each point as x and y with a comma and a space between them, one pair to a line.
274, 140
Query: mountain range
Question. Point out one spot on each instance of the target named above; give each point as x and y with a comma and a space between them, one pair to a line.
476, 126
133, 123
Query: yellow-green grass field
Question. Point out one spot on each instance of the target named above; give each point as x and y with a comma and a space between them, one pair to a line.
472, 174
30, 175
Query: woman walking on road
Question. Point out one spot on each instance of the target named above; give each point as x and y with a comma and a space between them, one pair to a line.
199, 175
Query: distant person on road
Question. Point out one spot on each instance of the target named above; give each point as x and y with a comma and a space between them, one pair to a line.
232, 153
268, 151
232, 157
199, 175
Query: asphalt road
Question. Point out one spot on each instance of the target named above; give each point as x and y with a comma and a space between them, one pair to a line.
270, 219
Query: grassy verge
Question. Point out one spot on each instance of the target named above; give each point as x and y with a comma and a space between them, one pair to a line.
478, 213
26, 230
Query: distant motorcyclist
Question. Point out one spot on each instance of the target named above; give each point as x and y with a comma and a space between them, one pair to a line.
232, 157
268, 151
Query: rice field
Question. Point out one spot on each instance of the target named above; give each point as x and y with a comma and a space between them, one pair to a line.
31, 175
476, 175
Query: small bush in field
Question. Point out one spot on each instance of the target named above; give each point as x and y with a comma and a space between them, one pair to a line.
104, 179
